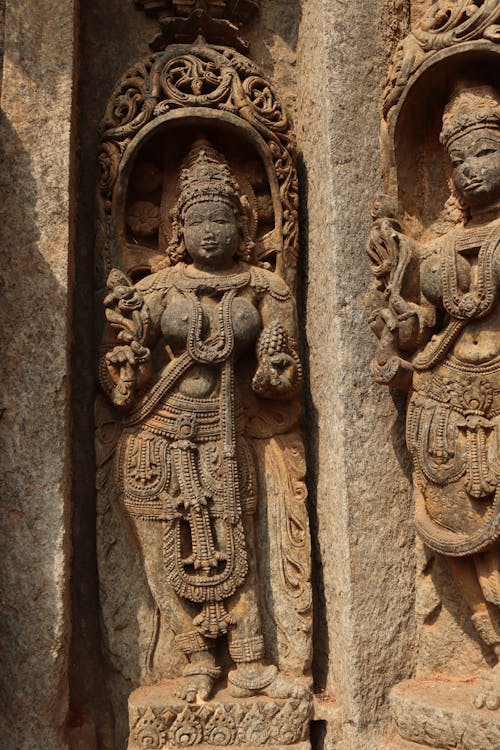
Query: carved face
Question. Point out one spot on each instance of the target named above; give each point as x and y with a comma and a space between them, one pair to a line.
476, 166
211, 234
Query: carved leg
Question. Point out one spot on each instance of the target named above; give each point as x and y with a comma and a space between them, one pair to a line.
479, 576
246, 645
201, 672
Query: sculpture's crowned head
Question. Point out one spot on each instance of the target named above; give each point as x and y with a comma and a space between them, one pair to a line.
205, 175
471, 134
209, 221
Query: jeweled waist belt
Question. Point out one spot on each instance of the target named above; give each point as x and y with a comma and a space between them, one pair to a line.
463, 387
186, 418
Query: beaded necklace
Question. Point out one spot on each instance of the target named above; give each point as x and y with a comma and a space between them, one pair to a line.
478, 302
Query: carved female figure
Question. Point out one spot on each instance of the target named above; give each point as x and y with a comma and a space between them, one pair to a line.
188, 350
435, 308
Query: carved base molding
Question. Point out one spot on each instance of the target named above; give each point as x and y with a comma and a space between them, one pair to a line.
441, 715
160, 720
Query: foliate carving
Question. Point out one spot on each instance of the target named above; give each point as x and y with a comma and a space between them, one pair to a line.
424, 713
187, 728
447, 23
435, 308
150, 731
213, 78
245, 724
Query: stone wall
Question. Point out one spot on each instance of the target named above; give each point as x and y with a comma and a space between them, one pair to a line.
362, 519
328, 60
37, 239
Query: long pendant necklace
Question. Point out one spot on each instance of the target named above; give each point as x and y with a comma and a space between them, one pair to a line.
217, 348
478, 302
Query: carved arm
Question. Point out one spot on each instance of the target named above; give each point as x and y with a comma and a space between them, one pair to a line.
125, 365
398, 314
279, 372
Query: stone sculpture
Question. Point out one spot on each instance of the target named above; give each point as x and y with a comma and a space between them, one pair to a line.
200, 457
185, 467
435, 308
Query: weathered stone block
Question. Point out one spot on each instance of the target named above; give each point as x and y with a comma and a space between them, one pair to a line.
441, 715
36, 239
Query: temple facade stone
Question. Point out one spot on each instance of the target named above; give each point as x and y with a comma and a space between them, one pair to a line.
235, 561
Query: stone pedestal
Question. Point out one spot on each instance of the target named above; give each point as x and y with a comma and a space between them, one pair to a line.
160, 720
441, 715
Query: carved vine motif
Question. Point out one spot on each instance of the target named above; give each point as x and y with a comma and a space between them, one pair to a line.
447, 23
245, 724
206, 77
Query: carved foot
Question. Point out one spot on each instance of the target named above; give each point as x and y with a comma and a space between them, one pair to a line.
197, 683
488, 694
256, 679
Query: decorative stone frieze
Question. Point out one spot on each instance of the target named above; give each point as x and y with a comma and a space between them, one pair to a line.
159, 720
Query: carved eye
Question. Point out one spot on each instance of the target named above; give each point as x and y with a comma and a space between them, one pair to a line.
486, 151
457, 162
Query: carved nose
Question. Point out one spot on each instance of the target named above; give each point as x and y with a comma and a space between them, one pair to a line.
469, 170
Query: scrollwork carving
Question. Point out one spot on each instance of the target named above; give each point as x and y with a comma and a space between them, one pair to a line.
446, 24
203, 77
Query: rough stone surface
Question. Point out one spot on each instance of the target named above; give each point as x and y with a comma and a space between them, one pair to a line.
448, 644
441, 715
36, 240
364, 562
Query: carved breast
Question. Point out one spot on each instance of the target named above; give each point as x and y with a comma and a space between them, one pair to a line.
468, 244
176, 319
432, 285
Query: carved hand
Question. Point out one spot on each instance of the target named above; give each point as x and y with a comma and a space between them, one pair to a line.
277, 375
121, 363
129, 369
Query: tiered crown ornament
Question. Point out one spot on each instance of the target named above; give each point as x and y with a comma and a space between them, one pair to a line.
474, 106
205, 175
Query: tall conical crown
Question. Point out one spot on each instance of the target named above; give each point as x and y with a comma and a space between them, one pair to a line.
471, 107
205, 175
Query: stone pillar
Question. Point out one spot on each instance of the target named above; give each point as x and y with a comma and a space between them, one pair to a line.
362, 519
36, 234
